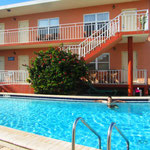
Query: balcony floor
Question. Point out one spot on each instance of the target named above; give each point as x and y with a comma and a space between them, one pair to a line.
138, 36
39, 44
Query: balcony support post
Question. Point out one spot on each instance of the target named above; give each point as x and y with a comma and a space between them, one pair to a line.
130, 66
146, 90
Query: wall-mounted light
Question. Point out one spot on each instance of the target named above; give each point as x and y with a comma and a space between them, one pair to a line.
113, 6
14, 18
114, 48
9, 10
14, 52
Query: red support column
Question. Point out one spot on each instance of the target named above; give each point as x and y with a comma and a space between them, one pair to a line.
146, 90
130, 66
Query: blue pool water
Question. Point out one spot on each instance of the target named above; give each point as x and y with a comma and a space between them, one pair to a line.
55, 120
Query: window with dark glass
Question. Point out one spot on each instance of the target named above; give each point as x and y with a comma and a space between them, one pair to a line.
100, 63
93, 22
48, 29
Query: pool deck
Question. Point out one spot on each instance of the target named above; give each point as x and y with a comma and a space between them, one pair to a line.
12, 139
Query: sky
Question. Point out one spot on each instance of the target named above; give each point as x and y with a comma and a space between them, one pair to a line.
8, 2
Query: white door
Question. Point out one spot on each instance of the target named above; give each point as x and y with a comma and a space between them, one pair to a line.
23, 60
23, 31
2, 63
2, 67
124, 75
2, 27
129, 20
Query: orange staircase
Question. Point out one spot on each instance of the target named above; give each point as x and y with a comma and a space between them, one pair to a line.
101, 49
108, 35
99, 41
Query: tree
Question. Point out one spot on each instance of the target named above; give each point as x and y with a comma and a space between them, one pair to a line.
57, 72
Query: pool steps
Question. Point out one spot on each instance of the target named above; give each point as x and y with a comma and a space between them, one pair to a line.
20, 140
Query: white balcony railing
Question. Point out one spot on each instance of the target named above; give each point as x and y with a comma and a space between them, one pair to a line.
70, 31
13, 77
100, 32
97, 77
134, 20
117, 77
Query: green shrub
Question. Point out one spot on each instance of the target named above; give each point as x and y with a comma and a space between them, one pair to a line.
57, 72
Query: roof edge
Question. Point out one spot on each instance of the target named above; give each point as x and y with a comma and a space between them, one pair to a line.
29, 3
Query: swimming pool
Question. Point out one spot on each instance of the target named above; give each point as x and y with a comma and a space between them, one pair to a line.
55, 119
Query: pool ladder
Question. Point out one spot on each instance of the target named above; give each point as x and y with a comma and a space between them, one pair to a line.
99, 138
74, 130
109, 136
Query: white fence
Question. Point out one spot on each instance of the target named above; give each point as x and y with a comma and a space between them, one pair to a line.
96, 77
117, 77
70, 31
73, 48
13, 77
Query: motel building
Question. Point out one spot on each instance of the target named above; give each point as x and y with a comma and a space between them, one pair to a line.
111, 35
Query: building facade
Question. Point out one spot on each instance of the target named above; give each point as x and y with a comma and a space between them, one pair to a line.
111, 36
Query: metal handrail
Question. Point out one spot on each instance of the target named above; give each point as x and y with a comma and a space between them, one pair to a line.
109, 136
74, 129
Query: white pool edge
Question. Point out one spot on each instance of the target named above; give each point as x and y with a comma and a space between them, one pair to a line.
77, 98
33, 141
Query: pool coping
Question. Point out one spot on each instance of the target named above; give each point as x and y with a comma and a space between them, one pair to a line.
30, 141
76, 98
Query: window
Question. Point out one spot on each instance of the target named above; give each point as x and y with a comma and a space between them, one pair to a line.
100, 63
94, 22
48, 28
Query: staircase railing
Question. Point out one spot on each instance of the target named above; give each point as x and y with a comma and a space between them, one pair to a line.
109, 136
74, 130
121, 23
99, 37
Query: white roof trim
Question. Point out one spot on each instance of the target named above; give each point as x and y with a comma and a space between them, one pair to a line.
29, 3
40, 6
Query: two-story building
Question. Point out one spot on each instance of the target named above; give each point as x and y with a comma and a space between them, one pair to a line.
112, 37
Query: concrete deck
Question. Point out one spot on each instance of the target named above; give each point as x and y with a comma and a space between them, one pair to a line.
8, 146
12, 139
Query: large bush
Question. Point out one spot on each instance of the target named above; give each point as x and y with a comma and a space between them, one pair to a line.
56, 72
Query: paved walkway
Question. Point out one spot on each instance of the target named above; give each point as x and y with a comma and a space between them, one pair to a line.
8, 146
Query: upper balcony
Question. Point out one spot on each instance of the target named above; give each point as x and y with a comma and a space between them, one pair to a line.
128, 23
